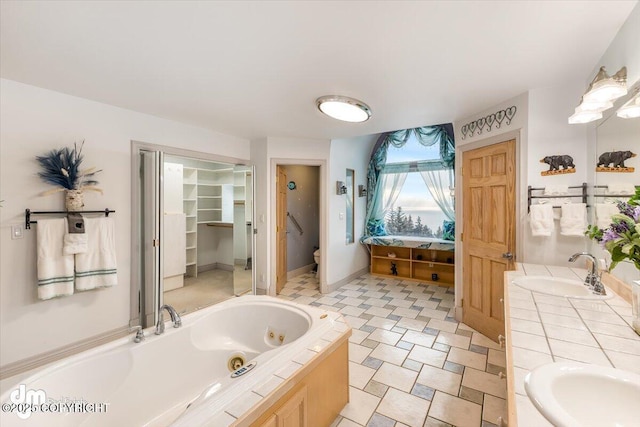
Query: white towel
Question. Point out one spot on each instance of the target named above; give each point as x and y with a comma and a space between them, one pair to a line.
174, 244
541, 220
556, 190
622, 188
604, 211
96, 268
55, 269
75, 243
574, 219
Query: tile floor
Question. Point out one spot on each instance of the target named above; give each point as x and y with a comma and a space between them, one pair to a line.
411, 363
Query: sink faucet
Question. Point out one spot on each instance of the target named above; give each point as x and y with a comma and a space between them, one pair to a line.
175, 318
592, 281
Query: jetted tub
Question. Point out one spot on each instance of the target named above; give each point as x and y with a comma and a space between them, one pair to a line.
152, 383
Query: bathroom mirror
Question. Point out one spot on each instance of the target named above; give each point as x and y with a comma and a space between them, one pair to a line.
194, 221
614, 133
350, 204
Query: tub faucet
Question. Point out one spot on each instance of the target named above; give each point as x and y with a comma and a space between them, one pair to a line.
592, 281
175, 318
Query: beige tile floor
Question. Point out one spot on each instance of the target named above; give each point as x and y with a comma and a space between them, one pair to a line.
411, 363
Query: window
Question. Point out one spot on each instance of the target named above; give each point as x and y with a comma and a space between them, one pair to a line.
414, 189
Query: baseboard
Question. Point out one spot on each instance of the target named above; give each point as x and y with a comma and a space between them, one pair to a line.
340, 283
215, 266
300, 271
42, 359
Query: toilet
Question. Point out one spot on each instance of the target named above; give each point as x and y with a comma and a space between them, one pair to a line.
316, 256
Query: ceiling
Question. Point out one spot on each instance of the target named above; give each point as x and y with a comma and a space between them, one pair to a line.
254, 69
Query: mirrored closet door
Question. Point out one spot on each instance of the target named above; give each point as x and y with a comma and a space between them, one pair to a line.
196, 232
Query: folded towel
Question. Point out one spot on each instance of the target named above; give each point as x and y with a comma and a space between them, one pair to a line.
97, 267
574, 219
622, 188
604, 211
55, 269
556, 190
75, 244
541, 220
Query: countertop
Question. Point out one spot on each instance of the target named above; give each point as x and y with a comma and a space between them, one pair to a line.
542, 328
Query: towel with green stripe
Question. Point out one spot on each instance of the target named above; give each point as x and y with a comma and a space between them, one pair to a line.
54, 268
96, 268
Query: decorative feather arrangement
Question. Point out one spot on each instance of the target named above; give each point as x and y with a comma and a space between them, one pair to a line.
62, 168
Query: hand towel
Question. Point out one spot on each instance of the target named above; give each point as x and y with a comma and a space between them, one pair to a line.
174, 244
96, 268
604, 211
55, 269
75, 244
621, 188
574, 219
541, 220
556, 190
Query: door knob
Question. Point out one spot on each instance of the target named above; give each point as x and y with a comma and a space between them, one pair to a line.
507, 255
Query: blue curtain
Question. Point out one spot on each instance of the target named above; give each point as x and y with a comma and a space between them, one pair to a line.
427, 136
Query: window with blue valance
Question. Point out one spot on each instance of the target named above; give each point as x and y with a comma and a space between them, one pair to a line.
400, 162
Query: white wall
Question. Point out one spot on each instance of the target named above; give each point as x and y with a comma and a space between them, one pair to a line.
304, 204
346, 259
35, 121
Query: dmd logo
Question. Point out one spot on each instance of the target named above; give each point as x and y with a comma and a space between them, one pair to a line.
26, 401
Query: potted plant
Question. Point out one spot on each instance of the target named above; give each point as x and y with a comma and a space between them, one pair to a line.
61, 167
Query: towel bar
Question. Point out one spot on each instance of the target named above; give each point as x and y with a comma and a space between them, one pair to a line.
29, 212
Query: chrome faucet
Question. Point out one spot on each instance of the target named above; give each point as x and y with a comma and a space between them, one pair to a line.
139, 334
592, 281
175, 318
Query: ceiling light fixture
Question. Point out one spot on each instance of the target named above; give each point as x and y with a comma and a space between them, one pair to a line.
344, 108
631, 109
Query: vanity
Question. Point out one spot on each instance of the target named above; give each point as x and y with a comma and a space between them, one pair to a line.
542, 328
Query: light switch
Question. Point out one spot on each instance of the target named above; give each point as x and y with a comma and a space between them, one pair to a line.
16, 232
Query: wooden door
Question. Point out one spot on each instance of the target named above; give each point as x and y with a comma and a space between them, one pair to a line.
488, 178
281, 228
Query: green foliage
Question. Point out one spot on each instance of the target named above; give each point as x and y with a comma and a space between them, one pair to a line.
398, 223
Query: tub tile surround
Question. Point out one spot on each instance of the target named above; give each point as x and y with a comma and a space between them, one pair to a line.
411, 363
545, 329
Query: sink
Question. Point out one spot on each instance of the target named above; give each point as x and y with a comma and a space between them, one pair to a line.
577, 395
558, 286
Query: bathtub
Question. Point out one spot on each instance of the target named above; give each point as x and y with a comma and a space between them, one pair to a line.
180, 378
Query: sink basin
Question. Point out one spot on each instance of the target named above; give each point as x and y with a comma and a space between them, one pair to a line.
576, 395
558, 286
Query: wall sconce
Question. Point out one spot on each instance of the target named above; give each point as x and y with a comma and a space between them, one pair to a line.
362, 192
341, 188
600, 95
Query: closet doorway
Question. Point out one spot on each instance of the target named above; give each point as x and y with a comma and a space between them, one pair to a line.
297, 216
489, 212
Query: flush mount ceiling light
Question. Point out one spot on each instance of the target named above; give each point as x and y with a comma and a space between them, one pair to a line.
604, 88
344, 108
631, 109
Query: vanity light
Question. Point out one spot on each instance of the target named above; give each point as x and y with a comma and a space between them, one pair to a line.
344, 108
631, 109
604, 88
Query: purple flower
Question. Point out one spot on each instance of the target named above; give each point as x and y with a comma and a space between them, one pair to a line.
636, 214
609, 234
621, 227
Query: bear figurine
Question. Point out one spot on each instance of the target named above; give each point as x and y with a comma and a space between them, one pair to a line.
614, 158
555, 162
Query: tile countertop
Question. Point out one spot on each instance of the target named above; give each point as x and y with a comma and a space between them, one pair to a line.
543, 328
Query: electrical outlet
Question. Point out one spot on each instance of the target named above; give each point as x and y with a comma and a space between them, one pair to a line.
16, 232
341, 215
